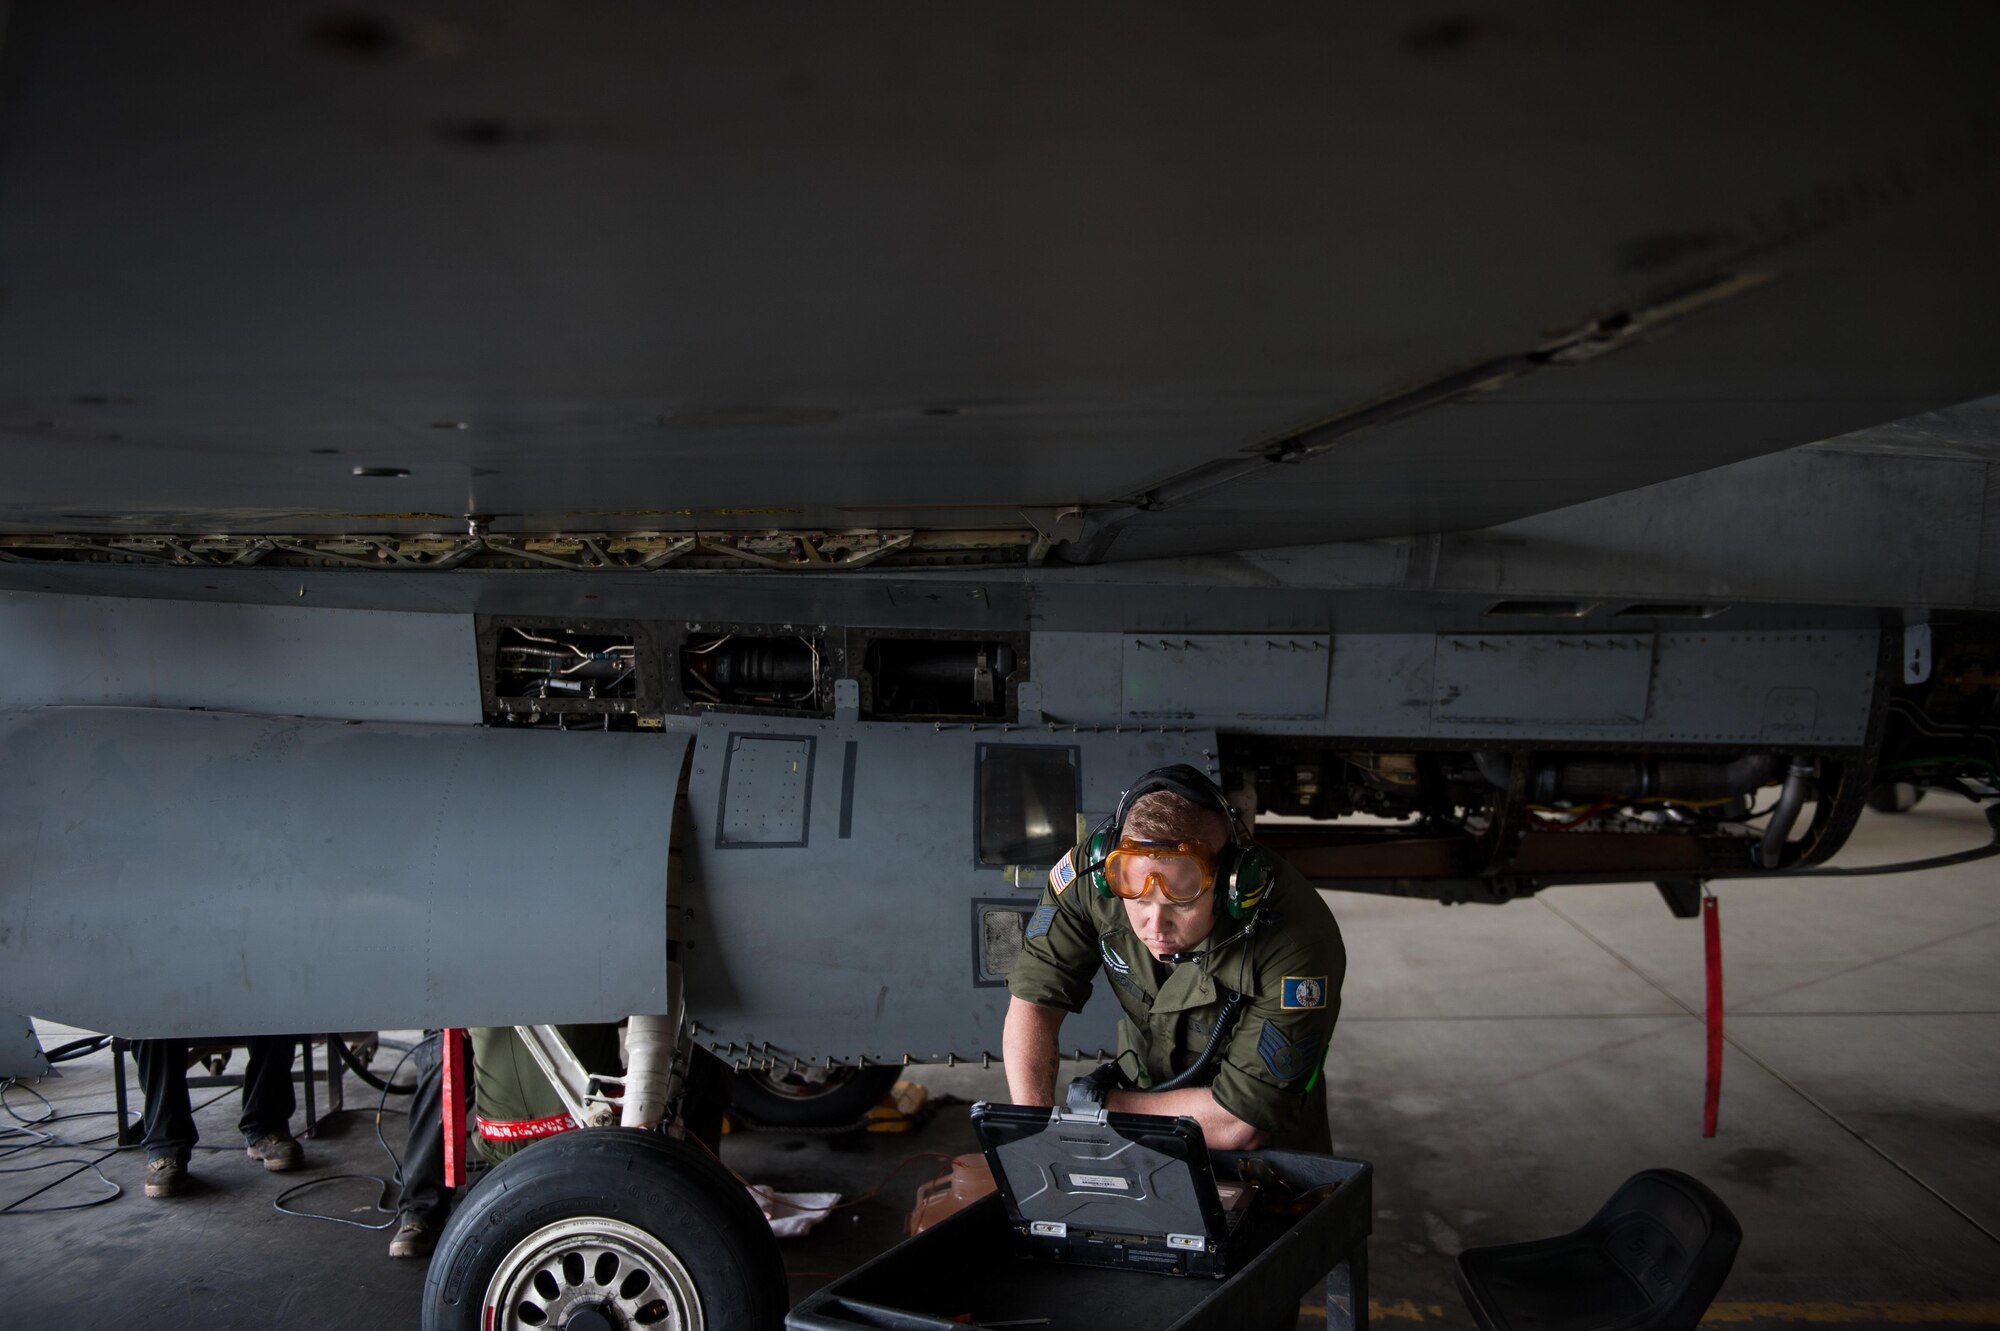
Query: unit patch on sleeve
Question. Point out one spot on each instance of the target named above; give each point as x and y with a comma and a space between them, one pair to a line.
1037, 926
1063, 874
1287, 1061
1303, 991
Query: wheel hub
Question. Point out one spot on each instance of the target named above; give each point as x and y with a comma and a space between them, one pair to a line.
805, 1084
592, 1273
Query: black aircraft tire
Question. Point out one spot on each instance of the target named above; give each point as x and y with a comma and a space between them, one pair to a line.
594, 1209
843, 1098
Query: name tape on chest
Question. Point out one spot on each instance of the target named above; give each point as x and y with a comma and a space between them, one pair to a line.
1303, 992
1063, 874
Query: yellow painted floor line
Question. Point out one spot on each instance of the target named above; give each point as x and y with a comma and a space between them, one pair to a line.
1406, 1311
1832, 1312
1733, 1312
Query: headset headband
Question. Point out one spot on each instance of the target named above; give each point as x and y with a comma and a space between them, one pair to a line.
1191, 784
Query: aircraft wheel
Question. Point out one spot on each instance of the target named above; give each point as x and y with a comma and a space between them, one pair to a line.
1896, 797
605, 1229
829, 1100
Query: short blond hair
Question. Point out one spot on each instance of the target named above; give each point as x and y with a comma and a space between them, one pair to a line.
1165, 816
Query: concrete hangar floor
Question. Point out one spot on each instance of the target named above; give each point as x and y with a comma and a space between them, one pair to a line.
1504, 1068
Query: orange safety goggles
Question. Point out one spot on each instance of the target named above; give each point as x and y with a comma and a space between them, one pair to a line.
1180, 870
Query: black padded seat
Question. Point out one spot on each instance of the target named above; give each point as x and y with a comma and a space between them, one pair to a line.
1650, 1260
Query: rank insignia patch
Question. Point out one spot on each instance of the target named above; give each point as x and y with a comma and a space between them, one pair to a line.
1063, 874
1287, 1061
1303, 991
1044, 916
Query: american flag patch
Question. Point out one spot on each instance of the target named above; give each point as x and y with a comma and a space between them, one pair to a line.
1063, 874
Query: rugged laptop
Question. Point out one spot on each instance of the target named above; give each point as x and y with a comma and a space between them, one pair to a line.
1131, 1191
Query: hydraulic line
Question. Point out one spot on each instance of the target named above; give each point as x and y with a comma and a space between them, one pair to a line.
1625, 779
1987, 851
355, 1066
75, 1049
1798, 781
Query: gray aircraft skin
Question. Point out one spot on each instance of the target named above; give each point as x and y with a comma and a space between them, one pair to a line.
505, 501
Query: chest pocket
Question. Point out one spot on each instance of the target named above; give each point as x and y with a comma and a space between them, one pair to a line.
1127, 986
1175, 1039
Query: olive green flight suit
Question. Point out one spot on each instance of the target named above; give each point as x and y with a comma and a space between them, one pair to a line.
508, 1085
1289, 968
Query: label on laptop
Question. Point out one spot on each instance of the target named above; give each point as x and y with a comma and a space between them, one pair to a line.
1111, 1181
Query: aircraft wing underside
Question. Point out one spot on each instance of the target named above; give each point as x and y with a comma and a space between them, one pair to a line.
1504, 449
1213, 280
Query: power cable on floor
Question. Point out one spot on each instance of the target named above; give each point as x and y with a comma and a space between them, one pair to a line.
380, 1205
19, 1205
1775, 1075
32, 1128
7, 1086
389, 1186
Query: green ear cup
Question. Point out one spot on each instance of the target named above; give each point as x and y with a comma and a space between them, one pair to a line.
1251, 876
1094, 852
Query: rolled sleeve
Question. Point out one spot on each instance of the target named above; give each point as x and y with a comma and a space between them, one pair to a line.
1269, 1063
1058, 953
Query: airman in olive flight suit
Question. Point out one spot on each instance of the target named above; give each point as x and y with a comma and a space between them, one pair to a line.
1287, 960
516, 1103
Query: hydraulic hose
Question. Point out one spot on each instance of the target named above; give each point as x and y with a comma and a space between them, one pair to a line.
339, 1046
89, 1044
1798, 780
1987, 851
1631, 777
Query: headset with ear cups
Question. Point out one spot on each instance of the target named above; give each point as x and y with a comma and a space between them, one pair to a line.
1244, 870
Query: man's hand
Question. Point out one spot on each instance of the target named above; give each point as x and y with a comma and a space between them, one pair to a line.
1221, 1129
1091, 1088
1028, 1047
1028, 1044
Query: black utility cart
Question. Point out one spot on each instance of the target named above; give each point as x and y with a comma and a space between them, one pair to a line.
968, 1265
